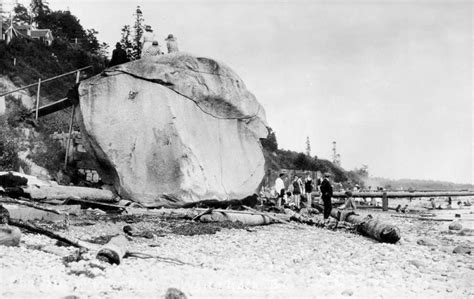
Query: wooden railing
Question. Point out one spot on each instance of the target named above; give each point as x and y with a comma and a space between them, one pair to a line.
60, 102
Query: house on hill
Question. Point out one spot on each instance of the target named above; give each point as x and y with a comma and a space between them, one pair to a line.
27, 31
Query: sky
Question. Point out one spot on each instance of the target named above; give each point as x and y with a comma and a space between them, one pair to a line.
389, 81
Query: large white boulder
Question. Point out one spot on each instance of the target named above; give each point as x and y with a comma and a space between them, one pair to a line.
174, 125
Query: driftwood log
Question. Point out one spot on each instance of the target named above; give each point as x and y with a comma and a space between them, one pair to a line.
65, 192
250, 201
368, 226
114, 251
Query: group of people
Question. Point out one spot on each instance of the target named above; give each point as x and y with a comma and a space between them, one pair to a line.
297, 187
150, 47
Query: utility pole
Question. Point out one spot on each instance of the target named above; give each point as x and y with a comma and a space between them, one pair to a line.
336, 158
308, 147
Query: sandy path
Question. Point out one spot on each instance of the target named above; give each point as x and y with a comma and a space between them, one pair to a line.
274, 261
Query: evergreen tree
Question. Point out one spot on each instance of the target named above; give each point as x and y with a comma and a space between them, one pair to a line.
21, 15
39, 10
138, 32
131, 36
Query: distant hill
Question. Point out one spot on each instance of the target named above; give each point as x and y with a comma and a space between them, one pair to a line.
414, 184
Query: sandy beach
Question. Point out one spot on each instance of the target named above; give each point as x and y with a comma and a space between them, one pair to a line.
274, 261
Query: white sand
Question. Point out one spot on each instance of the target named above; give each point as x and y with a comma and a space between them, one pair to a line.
274, 261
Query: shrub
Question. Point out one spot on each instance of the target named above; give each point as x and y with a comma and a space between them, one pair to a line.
8, 146
49, 154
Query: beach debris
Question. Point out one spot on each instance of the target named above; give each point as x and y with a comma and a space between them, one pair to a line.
467, 232
347, 292
455, 225
85, 204
114, 251
39, 230
250, 218
367, 226
235, 204
427, 242
133, 232
66, 192
174, 293
9, 235
463, 249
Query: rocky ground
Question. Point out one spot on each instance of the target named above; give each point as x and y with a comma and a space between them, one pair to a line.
276, 261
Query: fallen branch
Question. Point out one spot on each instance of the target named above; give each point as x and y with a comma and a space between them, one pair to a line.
39, 230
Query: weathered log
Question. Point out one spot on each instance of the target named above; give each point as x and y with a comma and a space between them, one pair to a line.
9, 235
11, 180
368, 226
39, 230
94, 204
228, 215
269, 216
32, 205
114, 251
250, 201
65, 192
401, 194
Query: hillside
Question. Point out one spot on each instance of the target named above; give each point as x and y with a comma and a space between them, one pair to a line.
277, 159
414, 184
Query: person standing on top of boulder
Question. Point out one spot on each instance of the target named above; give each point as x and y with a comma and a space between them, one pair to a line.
171, 44
326, 194
147, 38
153, 50
119, 56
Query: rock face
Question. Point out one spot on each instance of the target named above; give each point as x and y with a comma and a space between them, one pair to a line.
174, 126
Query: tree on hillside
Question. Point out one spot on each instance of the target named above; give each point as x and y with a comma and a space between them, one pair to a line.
131, 36
138, 31
270, 143
21, 15
39, 10
126, 40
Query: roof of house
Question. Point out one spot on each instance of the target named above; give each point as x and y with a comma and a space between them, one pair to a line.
40, 33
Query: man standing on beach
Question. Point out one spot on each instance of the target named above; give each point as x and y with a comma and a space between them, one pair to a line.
326, 194
280, 189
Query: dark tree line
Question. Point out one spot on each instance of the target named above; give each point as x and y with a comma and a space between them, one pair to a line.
64, 26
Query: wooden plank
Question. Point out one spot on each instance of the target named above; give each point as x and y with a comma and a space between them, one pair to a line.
53, 107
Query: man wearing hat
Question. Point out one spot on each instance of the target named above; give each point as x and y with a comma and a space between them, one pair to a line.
172, 43
119, 55
326, 194
147, 38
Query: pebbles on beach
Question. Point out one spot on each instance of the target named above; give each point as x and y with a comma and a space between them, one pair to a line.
269, 261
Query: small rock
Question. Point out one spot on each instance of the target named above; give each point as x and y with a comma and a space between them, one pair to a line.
173, 293
416, 263
462, 250
455, 225
426, 242
347, 292
467, 232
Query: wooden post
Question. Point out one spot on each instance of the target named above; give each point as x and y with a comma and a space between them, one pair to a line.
384, 202
71, 123
38, 98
